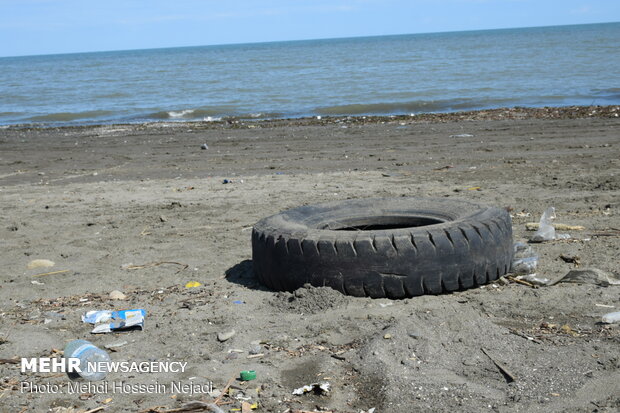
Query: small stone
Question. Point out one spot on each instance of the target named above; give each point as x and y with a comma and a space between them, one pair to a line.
115, 345
163, 218
255, 349
40, 264
387, 336
225, 335
117, 295
204, 146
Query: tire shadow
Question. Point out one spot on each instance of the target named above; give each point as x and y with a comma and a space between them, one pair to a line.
242, 274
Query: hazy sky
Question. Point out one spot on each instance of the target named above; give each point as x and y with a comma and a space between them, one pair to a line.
61, 26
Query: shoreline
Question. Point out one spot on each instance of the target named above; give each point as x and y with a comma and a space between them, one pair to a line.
517, 112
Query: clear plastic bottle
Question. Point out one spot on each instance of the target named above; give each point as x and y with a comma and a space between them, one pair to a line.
87, 353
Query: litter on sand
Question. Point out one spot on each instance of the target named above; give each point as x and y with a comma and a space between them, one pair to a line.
611, 318
319, 388
108, 320
546, 230
589, 276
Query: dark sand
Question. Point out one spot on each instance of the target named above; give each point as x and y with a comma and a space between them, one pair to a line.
93, 199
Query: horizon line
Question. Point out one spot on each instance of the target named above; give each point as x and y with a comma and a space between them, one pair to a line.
308, 39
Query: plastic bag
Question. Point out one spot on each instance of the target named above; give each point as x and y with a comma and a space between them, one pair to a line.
546, 231
525, 259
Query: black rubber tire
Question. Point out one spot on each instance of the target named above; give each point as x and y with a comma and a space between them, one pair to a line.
384, 247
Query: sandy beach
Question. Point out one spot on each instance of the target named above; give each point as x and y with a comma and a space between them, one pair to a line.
144, 210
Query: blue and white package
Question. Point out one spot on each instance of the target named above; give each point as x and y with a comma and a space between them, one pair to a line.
120, 320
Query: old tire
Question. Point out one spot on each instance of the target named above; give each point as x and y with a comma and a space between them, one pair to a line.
389, 247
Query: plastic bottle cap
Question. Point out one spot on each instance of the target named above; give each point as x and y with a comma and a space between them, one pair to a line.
247, 375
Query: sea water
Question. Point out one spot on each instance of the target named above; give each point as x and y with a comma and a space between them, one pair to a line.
441, 72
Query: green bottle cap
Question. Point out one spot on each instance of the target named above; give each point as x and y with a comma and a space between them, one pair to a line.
247, 375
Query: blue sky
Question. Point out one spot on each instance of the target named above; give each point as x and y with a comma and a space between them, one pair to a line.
30, 27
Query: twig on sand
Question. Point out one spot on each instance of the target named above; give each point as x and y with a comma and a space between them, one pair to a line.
533, 226
503, 369
224, 390
155, 264
10, 361
50, 273
197, 405
193, 406
96, 409
612, 232
518, 333
516, 280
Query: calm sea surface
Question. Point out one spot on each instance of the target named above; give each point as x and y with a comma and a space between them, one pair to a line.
551, 66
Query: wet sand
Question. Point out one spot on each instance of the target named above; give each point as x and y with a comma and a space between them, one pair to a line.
95, 199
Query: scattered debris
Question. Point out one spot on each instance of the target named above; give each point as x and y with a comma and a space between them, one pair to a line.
193, 406
589, 276
117, 295
121, 320
611, 318
204, 146
462, 135
192, 284
317, 388
40, 264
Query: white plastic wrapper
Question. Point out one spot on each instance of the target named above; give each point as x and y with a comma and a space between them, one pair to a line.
120, 320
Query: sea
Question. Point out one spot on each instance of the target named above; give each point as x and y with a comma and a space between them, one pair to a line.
386, 75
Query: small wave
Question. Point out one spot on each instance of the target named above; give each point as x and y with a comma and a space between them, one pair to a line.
184, 114
181, 114
211, 119
209, 114
70, 116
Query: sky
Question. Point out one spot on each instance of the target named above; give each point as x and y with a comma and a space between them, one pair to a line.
31, 27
